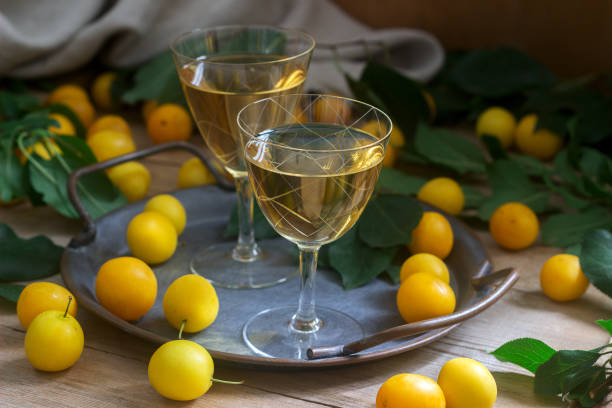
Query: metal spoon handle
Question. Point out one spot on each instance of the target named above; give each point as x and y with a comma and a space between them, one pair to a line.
510, 275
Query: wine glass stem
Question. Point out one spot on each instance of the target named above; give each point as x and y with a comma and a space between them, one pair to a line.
246, 249
305, 319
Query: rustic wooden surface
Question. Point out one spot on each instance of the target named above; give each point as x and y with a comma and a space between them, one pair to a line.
112, 370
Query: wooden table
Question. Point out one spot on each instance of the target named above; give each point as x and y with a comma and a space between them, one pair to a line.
113, 368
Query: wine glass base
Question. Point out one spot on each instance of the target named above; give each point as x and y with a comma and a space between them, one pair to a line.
268, 333
275, 265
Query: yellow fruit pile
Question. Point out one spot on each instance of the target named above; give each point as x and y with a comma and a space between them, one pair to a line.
424, 292
462, 383
152, 235
47, 311
75, 98
127, 287
501, 124
180, 369
108, 136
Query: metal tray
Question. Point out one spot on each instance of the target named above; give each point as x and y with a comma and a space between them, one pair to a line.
207, 214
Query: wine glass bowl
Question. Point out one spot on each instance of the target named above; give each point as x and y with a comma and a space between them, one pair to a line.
222, 69
313, 162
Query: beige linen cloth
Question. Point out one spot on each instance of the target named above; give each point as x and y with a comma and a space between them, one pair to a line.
48, 37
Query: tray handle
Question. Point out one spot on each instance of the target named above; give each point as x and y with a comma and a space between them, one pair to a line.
89, 232
510, 275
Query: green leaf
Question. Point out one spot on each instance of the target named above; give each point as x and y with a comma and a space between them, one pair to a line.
157, 79
565, 170
494, 147
562, 230
582, 382
573, 380
594, 124
443, 147
525, 352
13, 105
554, 122
6, 233
451, 103
592, 162
10, 292
49, 180
547, 101
27, 259
8, 106
75, 147
570, 199
397, 182
606, 324
551, 375
31, 121
412, 157
510, 183
538, 201
594, 166
499, 72
473, 198
388, 220
530, 165
357, 262
323, 258
596, 259
12, 173
50, 177
261, 226
402, 97
506, 174
574, 249
393, 272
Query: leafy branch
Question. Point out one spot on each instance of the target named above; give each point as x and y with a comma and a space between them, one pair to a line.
575, 190
37, 163
574, 375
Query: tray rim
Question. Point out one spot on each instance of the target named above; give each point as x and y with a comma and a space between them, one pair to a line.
259, 361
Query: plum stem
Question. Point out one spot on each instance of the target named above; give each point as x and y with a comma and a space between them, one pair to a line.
227, 382
181, 329
67, 306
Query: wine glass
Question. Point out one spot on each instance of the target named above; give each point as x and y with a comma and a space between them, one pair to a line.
221, 70
313, 162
